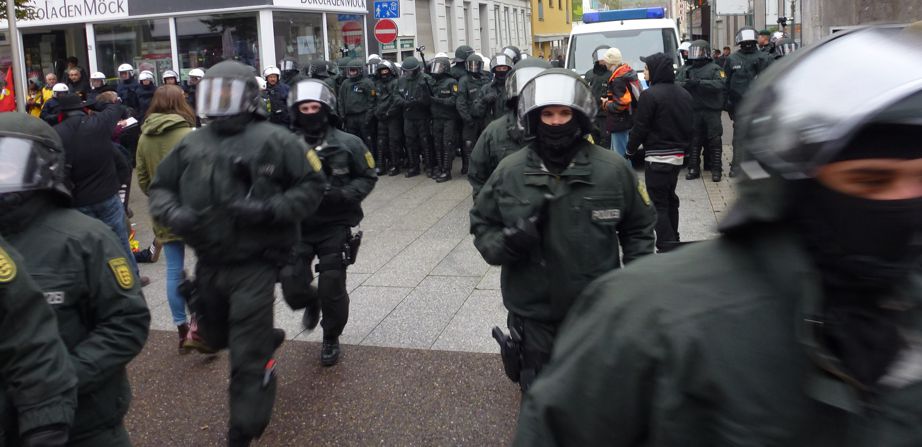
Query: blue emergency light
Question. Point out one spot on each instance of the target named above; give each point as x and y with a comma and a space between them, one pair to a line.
624, 14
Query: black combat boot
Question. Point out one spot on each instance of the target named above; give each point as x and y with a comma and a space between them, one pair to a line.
466, 156
715, 149
412, 164
445, 163
329, 352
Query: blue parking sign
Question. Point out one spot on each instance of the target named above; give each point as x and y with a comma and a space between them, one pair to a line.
387, 9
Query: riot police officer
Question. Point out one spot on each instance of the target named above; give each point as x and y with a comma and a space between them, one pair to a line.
326, 234
414, 96
706, 83
742, 68
127, 86
556, 215
189, 86
235, 191
459, 69
39, 388
513, 52
597, 78
444, 116
276, 96
170, 77
801, 316
389, 119
492, 100
289, 71
320, 69
469, 91
80, 266
503, 136
356, 102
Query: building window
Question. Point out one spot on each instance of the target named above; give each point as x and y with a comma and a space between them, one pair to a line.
550, 3
347, 35
569, 9
145, 44
206, 40
559, 4
541, 10
298, 36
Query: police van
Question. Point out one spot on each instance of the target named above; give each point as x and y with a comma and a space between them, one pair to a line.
636, 32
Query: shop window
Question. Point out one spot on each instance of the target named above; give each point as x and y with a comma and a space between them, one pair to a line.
298, 36
145, 44
541, 10
346, 34
206, 40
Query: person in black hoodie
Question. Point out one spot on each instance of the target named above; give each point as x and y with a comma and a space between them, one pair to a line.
663, 126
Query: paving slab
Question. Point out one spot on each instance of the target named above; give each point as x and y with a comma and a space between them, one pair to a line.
469, 330
413, 264
368, 307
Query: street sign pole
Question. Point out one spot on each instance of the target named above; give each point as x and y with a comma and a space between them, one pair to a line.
20, 87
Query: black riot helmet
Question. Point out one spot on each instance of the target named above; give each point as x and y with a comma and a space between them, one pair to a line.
784, 144
227, 89
785, 47
556, 87
598, 54
462, 53
410, 66
371, 65
355, 68
440, 66
699, 51
513, 52
474, 64
31, 158
288, 65
500, 66
386, 70
317, 69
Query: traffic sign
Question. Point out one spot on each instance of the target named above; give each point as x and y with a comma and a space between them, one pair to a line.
385, 31
387, 9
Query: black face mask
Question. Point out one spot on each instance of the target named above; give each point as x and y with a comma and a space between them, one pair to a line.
861, 243
500, 76
230, 125
313, 123
556, 145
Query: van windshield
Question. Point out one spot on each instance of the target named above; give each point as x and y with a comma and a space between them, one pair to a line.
632, 43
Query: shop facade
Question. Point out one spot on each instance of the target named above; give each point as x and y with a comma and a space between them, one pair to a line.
159, 35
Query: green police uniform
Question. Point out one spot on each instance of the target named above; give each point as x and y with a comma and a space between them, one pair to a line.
597, 78
350, 171
238, 260
357, 103
37, 378
491, 102
414, 97
103, 319
390, 125
592, 214
501, 138
742, 68
444, 122
469, 91
707, 84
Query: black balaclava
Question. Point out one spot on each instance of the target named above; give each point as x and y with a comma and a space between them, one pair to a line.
748, 46
556, 145
230, 125
313, 125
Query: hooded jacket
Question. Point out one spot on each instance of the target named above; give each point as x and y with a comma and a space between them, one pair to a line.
160, 133
663, 122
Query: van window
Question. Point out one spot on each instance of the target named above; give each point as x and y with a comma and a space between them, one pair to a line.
632, 43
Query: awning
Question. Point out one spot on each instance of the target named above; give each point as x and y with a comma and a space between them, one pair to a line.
549, 37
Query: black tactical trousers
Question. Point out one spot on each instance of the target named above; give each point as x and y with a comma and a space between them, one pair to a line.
662, 179
470, 134
234, 310
736, 149
707, 140
537, 343
599, 135
416, 132
327, 245
443, 134
390, 142
356, 124
115, 436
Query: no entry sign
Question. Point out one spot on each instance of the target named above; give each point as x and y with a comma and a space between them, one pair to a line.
385, 31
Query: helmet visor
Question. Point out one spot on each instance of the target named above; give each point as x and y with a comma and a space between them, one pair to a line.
785, 47
746, 35
474, 66
371, 68
517, 80
556, 89
287, 65
440, 66
20, 167
312, 90
697, 52
224, 97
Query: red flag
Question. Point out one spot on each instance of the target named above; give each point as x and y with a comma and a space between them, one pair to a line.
7, 97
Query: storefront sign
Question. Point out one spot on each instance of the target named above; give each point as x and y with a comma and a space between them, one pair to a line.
388, 46
325, 5
48, 12
406, 44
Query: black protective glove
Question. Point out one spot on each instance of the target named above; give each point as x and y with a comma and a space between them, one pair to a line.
47, 436
692, 83
523, 235
251, 211
181, 220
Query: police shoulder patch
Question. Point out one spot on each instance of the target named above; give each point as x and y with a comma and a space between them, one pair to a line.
370, 159
722, 74
314, 160
7, 267
454, 87
642, 189
123, 275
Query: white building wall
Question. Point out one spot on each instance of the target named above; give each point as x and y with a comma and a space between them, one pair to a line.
450, 32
